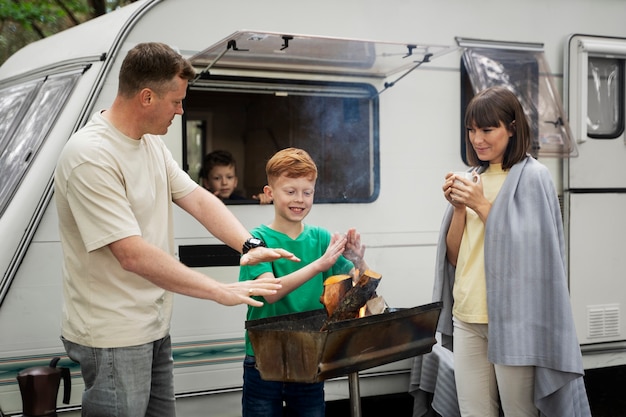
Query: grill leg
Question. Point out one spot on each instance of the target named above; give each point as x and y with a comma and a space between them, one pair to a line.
355, 394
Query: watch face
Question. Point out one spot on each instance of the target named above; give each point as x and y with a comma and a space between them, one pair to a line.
252, 243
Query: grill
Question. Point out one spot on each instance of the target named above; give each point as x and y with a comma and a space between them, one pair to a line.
292, 348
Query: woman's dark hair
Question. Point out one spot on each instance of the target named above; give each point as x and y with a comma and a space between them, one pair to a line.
489, 108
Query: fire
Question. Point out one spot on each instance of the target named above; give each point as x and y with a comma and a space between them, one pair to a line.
345, 297
363, 309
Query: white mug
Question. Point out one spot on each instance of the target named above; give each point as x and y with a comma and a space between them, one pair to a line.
466, 175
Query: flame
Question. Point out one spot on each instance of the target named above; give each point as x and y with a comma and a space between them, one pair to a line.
357, 274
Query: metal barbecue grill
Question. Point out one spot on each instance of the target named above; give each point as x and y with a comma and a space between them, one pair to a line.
292, 348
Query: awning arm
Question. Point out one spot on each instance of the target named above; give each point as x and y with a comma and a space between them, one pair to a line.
232, 44
392, 83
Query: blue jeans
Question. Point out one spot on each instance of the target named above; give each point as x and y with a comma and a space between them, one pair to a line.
265, 398
134, 381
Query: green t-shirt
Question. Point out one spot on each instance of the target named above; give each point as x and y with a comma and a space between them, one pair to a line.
308, 246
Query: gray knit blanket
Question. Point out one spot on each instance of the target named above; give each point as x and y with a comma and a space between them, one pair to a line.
530, 316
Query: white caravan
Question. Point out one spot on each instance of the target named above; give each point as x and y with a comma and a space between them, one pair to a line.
375, 91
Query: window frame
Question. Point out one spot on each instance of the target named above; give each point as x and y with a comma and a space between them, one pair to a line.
521, 67
619, 111
298, 87
581, 48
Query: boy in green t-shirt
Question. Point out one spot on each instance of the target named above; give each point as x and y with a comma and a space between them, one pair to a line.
291, 176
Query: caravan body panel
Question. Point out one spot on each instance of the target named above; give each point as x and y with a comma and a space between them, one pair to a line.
417, 125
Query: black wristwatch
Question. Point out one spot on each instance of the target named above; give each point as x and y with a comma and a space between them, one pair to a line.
252, 243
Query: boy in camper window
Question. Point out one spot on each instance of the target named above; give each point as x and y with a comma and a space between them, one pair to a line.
291, 176
219, 175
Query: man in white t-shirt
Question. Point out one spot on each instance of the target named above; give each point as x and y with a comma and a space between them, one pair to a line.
114, 186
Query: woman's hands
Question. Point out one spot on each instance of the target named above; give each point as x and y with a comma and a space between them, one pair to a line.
460, 191
463, 192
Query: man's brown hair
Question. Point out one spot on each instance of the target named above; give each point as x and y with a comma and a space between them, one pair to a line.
152, 65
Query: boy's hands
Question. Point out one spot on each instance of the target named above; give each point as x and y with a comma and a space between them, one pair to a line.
333, 251
263, 198
355, 251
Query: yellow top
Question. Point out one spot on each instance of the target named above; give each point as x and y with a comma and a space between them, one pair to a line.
470, 292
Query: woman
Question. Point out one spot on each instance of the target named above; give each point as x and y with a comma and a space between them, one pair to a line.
502, 276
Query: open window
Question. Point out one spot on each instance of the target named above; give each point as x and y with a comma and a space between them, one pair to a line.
523, 69
257, 93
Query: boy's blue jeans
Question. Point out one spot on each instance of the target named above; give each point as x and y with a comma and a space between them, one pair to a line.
265, 398
126, 382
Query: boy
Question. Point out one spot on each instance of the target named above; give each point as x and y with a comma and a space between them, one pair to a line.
291, 176
219, 175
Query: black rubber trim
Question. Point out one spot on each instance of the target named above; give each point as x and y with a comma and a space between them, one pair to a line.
208, 255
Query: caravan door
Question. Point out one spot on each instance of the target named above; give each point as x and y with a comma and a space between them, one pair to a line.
595, 189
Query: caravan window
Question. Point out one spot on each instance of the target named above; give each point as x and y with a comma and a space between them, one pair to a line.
605, 98
27, 113
259, 92
524, 69
254, 118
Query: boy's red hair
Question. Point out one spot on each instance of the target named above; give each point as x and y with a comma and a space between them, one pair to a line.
291, 162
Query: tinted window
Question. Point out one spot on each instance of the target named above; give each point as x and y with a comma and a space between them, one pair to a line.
336, 123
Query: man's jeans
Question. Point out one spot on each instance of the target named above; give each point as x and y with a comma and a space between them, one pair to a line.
265, 398
126, 382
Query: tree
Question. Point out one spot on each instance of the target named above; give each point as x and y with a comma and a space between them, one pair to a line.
25, 21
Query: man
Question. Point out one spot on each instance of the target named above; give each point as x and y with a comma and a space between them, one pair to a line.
114, 184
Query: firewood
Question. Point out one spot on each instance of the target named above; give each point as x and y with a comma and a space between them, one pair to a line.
375, 305
355, 298
335, 289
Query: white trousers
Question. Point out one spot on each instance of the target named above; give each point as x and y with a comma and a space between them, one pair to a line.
481, 385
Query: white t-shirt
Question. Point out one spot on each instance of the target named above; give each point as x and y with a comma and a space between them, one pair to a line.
108, 187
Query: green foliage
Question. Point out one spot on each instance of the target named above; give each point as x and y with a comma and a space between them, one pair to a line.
44, 14
25, 21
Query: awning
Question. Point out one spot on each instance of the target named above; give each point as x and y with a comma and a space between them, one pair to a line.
315, 54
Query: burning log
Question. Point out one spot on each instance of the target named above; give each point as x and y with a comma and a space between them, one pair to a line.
375, 305
335, 288
349, 306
